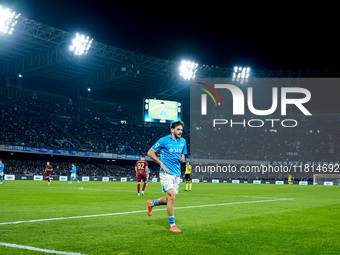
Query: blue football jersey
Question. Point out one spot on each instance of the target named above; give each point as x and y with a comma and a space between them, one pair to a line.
170, 153
74, 170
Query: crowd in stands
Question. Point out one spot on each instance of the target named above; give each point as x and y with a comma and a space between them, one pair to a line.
310, 141
33, 123
39, 124
22, 166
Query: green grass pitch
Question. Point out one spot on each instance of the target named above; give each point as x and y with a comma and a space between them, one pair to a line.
246, 223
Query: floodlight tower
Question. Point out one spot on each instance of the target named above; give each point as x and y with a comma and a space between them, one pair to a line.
241, 74
8, 20
80, 44
188, 69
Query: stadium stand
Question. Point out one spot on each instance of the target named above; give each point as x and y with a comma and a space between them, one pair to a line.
28, 122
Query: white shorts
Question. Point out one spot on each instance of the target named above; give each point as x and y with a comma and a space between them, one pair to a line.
73, 176
169, 181
2, 174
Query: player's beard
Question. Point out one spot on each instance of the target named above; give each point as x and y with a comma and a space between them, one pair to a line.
177, 136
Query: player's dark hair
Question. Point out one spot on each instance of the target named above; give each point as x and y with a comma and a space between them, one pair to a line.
142, 156
176, 123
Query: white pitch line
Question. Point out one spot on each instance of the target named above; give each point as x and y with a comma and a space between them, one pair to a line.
141, 211
38, 249
236, 203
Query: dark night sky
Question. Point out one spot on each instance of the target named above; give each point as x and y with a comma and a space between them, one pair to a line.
262, 36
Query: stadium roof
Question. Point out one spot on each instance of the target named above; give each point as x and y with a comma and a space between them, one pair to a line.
35, 49
38, 50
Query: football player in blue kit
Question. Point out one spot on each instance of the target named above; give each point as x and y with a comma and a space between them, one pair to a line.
172, 150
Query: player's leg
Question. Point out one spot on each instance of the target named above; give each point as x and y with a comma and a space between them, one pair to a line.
170, 185
170, 202
138, 188
139, 179
72, 177
144, 178
162, 200
157, 202
75, 178
188, 182
171, 197
2, 179
144, 185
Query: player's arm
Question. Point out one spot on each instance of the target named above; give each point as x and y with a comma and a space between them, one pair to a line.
184, 151
153, 156
146, 167
182, 158
136, 170
147, 170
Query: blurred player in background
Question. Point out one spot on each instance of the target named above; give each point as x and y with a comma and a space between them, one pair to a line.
162, 115
2, 171
187, 176
290, 179
147, 176
141, 168
172, 150
73, 174
48, 172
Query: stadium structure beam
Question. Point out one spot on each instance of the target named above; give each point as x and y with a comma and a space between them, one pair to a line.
40, 34
95, 79
38, 49
44, 46
38, 63
167, 87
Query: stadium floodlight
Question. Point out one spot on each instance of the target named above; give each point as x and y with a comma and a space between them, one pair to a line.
188, 69
81, 44
241, 74
8, 20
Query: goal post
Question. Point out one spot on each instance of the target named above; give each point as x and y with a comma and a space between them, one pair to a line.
326, 179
